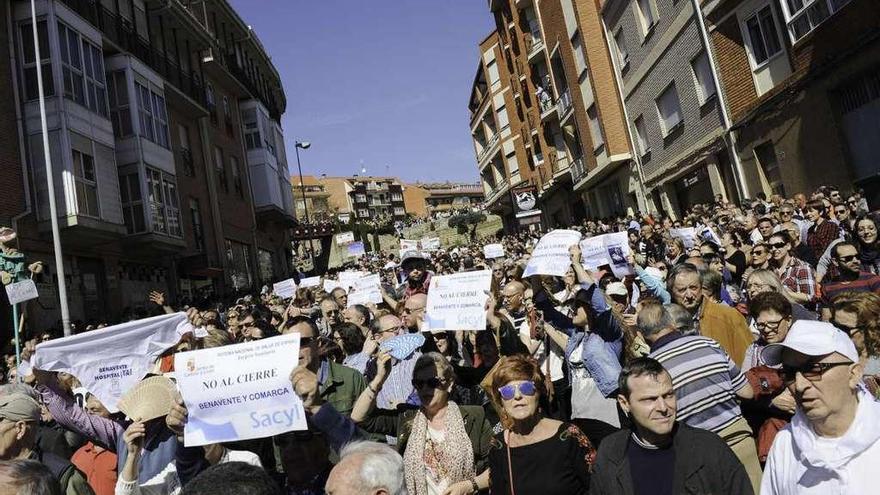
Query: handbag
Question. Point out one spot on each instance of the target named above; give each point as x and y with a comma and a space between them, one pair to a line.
509, 464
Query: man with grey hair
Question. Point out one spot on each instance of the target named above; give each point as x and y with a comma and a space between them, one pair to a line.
367, 468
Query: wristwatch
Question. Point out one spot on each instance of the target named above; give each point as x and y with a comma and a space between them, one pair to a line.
474, 485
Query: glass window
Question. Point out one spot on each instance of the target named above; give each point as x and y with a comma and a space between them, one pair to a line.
763, 38
236, 176
220, 168
642, 136
29, 63
252, 138
154, 195
646, 15
132, 205
86, 184
145, 111
620, 44
120, 110
161, 119
803, 16
71, 64
703, 77
595, 128
96, 91
669, 109
172, 207
195, 213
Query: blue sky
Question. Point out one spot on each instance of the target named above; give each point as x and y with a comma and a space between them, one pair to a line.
383, 82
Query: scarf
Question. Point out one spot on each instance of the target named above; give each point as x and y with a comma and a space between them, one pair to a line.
456, 453
869, 255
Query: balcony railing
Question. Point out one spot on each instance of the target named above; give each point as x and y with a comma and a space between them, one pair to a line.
563, 103
578, 170
534, 44
547, 105
486, 151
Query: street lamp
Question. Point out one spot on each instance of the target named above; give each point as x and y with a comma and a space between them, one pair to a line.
304, 145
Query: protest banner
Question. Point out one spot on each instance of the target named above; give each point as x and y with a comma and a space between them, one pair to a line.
707, 234
284, 289
409, 245
310, 281
344, 238
349, 278
366, 289
109, 362
688, 236
457, 301
550, 256
330, 284
356, 249
430, 243
491, 251
22, 291
240, 391
607, 249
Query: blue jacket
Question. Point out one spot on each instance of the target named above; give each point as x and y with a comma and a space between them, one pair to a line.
602, 346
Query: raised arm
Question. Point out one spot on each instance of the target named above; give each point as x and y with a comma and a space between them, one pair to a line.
102, 431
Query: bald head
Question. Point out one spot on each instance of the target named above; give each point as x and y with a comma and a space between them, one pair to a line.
414, 311
512, 295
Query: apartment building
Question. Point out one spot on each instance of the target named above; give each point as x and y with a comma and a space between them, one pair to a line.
667, 82
364, 198
449, 196
312, 199
802, 83
166, 145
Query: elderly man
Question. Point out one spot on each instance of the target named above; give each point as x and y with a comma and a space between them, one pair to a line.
359, 315
367, 468
707, 383
832, 444
716, 321
340, 296
654, 456
398, 388
330, 315
19, 417
414, 312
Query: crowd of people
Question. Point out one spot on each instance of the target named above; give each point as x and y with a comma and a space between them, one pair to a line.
744, 360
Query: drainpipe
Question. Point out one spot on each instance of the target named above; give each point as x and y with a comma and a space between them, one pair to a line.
19, 123
632, 145
729, 136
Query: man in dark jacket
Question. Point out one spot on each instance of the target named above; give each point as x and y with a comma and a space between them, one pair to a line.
658, 455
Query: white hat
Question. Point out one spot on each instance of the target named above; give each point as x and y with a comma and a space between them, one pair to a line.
411, 255
616, 289
655, 272
812, 338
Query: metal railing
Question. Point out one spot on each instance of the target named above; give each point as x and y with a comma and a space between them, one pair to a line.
563, 103
578, 170
533, 43
486, 151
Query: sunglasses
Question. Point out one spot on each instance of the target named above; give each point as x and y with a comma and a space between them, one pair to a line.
841, 211
811, 372
849, 330
508, 392
758, 253
306, 341
786, 212
847, 259
432, 382
777, 245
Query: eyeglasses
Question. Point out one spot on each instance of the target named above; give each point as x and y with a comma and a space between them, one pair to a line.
508, 392
509, 296
849, 330
432, 382
412, 310
777, 245
769, 325
387, 330
811, 372
758, 253
847, 258
306, 341
786, 212
852, 202
841, 211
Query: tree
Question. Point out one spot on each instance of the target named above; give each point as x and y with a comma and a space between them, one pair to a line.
465, 221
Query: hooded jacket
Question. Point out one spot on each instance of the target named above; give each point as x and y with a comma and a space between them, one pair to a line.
801, 462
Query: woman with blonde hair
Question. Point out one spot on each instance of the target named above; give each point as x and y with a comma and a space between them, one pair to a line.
858, 314
763, 280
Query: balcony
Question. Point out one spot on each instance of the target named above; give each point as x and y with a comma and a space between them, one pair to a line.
487, 150
534, 45
377, 187
578, 170
548, 106
563, 104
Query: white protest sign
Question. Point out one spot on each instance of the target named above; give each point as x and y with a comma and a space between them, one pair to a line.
491, 251
111, 361
617, 247
240, 391
331, 284
707, 234
550, 256
310, 281
409, 245
348, 279
356, 249
458, 301
344, 238
284, 289
688, 236
430, 243
366, 289
22, 291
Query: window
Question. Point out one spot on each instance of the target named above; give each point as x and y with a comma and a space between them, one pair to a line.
620, 46
363, 213
803, 16
595, 128
236, 176
198, 232
669, 109
96, 87
492, 68
120, 110
396, 197
29, 62
766, 155
238, 260
762, 39
227, 116
503, 120
186, 157
264, 264
153, 117
642, 136
211, 102
172, 207
577, 48
220, 168
154, 194
71, 64
86, 184
398, 211
703, 77
360, 198
132, 203
646, 16
251, 129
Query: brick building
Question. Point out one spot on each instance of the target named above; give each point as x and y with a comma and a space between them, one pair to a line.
803, 91
165, 139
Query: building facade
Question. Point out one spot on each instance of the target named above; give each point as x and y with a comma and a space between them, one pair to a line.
166, 149
449, 197
802, 81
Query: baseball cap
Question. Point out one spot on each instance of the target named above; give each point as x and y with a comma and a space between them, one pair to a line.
19, 407
410, 256
812, 338
616, 289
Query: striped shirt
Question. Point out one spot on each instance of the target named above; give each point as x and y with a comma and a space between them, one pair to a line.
704, 378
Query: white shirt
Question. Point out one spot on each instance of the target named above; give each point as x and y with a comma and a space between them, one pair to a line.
803, 463
556, 356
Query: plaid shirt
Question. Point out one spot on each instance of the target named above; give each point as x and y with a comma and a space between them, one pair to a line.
819, 237
797, 276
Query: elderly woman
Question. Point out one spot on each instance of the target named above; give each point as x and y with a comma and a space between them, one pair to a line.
442, 443
760, 281
858, 314
533, 454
